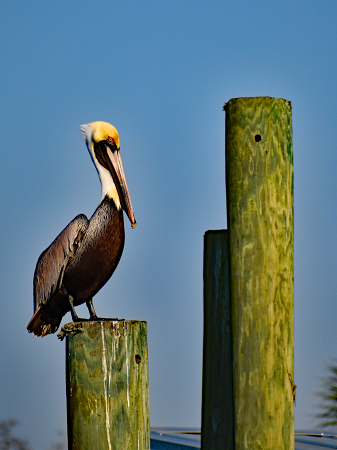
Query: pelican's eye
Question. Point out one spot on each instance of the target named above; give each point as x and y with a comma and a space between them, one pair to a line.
110, 140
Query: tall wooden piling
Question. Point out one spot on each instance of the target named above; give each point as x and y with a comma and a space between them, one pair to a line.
259, 182
107, 386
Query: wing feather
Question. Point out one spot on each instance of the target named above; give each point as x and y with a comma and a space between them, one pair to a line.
53, 261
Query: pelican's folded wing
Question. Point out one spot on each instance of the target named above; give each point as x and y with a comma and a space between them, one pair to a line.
53, 261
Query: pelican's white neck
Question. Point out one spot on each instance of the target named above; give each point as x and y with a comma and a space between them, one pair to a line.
107, 183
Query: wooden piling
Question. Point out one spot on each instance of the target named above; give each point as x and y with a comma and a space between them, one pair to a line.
259, 182
217, 375
107, 386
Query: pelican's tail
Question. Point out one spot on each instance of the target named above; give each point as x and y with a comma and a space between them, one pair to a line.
47, 318
37, 325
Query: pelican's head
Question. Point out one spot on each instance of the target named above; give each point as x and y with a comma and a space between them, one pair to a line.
102, 140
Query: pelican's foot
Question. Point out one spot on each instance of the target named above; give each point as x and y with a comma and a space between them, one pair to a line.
80, 319
103, 319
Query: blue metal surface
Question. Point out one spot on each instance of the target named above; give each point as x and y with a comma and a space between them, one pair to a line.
166, 438
307, 441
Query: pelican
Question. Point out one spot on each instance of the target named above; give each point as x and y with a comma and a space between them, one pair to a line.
85, 254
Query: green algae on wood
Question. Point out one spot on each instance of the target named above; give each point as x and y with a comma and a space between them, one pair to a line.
107, 386
259, 181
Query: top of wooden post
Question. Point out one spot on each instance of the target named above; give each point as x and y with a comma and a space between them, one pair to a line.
253, 99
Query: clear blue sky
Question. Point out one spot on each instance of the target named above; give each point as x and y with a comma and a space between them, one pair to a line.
159, 71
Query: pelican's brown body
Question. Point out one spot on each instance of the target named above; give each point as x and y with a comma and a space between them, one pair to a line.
85, 254
98, 255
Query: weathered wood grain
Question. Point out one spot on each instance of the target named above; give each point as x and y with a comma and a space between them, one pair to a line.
259, 179
107, 386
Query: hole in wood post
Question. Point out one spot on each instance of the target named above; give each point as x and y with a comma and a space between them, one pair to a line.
258, 137
138, 359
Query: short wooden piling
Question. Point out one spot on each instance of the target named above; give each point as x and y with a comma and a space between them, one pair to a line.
107, 386
217, 375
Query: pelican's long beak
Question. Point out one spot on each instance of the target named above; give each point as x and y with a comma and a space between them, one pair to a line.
112, 161
118, 176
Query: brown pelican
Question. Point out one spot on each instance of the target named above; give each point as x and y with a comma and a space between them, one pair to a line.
85, 254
